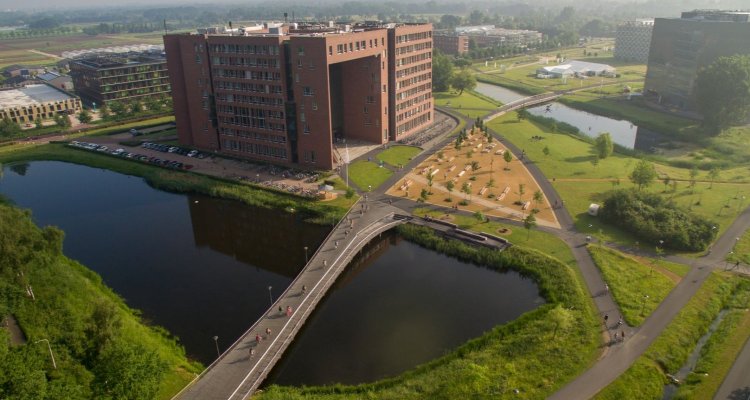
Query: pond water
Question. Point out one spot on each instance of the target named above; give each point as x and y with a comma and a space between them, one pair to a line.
623, 132
201, 267
399, 305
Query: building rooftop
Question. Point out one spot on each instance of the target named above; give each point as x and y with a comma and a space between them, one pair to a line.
717, 15
30, 95
100, 61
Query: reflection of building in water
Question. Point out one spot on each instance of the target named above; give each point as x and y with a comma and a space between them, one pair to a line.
371, 252
647, 141
264, 238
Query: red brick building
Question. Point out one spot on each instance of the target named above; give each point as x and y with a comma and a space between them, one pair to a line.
286, 95
452, 44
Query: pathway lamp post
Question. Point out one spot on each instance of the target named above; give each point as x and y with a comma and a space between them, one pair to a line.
52, 356
643, 304
216, 342
305, 255
726, 266
270, 296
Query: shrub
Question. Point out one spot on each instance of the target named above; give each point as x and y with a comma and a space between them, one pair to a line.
653, 218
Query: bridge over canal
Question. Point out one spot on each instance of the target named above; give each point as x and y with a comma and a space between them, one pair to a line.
241, 369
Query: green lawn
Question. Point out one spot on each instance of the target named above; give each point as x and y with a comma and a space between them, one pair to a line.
645, 379
366, 174
543, 242
467, 103
398, 155
741, 250
637, 288
580, 182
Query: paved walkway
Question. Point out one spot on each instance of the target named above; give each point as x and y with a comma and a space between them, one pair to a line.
240, 370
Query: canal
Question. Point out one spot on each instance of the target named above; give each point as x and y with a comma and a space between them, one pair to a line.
200, 267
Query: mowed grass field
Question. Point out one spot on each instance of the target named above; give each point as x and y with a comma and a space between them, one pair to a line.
16, 51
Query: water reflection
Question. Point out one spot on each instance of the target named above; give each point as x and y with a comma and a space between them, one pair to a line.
399, 305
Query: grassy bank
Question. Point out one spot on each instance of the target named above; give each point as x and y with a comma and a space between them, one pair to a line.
186, 182
101, 347
533, 355
721, 349
637, 288
367, 174
646, 378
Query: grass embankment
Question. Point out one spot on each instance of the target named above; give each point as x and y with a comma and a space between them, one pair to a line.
398, 155
741, 250
101, 347
637, 288
646, 378
535, 354
721, 349
543, 242
186, 182
467, 103
366, 174
581, 182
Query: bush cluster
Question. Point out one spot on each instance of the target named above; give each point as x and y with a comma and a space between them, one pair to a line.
652, 218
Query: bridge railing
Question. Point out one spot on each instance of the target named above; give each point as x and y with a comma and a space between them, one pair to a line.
254, 326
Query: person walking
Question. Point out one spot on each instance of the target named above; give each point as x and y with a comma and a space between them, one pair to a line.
606, 288
268, 332
288, 311
622, 336
304, 289
257, 338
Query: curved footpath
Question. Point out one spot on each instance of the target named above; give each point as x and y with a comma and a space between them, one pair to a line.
617, 359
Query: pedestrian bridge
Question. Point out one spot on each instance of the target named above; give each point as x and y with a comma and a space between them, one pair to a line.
522, 103
241, 369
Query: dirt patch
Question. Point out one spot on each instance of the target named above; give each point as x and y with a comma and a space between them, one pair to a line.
505, 231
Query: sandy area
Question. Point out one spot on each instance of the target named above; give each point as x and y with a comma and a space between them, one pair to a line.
499, 200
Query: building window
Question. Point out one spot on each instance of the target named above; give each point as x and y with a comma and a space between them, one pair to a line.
302, 117
370, 99
300, 51
330, 50
314, 105
299, 63
366, 110
385, 88
307, 129
296, 77
339, 49
307, 91
312, 155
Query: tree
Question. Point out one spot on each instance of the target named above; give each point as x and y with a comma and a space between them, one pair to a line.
713, 175
529, 223
665, 180
38, 122
136, 107
442, 71
603, 145
508, 158
62, 121
423, 196
9, 128
693, 175
117, 108
84, 116
545, 150
448, 21
643, 174
538, 198
450, 186
430, 179
463, 80
104, 111
722, 91
521, 191
479, 216
466, 189
475, 166
522, 114
128, 371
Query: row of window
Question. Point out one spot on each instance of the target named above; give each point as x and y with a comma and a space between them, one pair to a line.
413, 101
413, 59
414, 111
413, 36
247, 62
413, 91
261, 100
264, 49
251, 122
255, 148
413, 70
155, 68
248, 87
414, 47
264, 137
413, 80
351, 46
416, 122
251, 112
243, 74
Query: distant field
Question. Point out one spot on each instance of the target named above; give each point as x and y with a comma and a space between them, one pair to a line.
16, 51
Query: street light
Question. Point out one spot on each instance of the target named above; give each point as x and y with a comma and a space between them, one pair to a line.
216, 342
52, 356
270, 296
643, 304
726, 266
305, 255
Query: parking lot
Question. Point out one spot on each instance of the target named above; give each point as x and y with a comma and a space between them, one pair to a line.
290, 180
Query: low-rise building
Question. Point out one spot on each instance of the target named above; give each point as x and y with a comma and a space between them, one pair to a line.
633, 40
450, 43
575, 68
56, 79
125, 78
490, 36
25, 105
